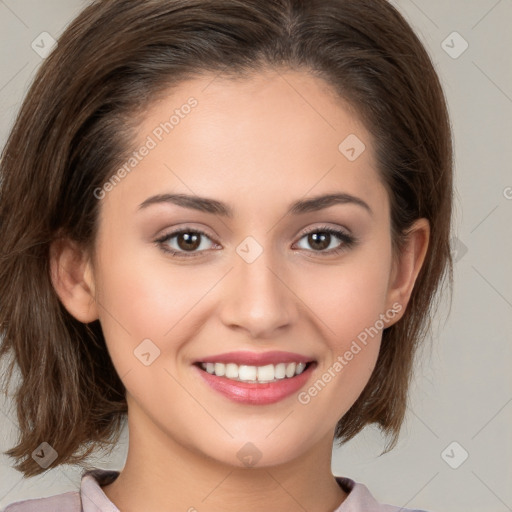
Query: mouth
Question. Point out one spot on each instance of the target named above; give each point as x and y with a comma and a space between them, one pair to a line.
256, 379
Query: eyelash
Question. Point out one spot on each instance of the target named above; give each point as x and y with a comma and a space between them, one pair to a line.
347, 241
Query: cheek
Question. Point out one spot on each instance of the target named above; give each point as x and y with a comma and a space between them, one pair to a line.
142, 291
349, 301
350, 297
157, 303
132, 302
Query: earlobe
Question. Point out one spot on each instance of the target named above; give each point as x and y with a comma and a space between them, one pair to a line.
407, 265
73, 280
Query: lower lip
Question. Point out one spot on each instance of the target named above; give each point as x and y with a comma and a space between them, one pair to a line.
256, 394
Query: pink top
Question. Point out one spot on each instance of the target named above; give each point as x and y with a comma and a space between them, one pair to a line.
91, 497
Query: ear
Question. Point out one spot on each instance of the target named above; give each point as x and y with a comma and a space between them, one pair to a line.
407, 265
72, 279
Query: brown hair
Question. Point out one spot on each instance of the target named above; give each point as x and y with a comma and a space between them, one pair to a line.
75, 128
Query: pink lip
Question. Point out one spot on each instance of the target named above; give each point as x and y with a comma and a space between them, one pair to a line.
256, 394
256, 358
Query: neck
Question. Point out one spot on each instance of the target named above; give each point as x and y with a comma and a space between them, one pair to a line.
162, 475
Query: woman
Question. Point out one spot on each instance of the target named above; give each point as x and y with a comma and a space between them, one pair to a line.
225, 222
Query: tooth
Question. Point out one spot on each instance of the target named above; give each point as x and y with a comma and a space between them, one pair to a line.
280, 371
220, 369
266, 372
290, 370
300, 368
247, 372
232, 371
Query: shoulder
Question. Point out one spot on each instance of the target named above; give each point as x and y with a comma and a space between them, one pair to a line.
89, 497
65, 502
360, 499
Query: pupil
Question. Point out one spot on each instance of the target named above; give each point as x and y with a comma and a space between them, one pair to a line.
319, 240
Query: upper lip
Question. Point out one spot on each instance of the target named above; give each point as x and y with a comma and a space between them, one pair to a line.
256, 358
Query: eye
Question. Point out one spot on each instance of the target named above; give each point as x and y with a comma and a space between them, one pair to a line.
327, 240
179, 243
186, 243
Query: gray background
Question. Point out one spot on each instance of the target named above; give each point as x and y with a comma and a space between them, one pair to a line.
463, 388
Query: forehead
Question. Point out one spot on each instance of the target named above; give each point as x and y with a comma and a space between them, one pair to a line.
273, 135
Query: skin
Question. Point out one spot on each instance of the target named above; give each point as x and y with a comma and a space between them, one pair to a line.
257, 144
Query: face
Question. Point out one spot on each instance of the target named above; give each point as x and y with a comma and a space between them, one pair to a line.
258, 273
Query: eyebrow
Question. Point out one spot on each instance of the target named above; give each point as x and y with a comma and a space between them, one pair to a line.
205, 204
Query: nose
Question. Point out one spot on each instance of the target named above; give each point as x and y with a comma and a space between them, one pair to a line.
259, 298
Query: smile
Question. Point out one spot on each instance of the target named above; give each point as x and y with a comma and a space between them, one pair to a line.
255, 378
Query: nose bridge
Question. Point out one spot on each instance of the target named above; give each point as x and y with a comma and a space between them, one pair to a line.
257, 299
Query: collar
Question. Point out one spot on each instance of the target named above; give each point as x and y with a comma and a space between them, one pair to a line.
95, 500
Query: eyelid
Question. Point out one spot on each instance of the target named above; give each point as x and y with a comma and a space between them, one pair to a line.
325, 227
